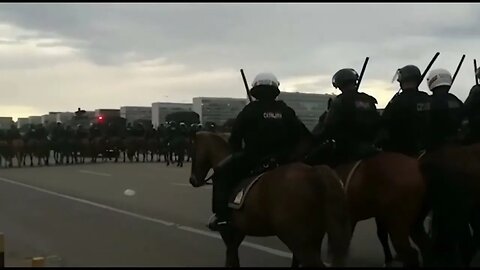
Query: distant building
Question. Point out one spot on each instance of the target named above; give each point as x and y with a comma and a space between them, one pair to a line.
107, 112
21, 122
64, 117
308, 107
49, 118
161, 109
34, 120
5, 122
217, 110
131, 113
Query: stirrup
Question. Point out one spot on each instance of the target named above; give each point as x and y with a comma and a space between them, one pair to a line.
216, 224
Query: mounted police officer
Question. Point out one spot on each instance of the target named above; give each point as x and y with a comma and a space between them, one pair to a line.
172, 131
211, 127
268, 128
94, 131
81, 133
111, 131
446, 110
406, 117
139, 130
129, 130
183, 130
58, 132
352, 122
13, 133
472, 111
41, 132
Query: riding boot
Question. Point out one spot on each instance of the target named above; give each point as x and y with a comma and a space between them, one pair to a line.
220, 203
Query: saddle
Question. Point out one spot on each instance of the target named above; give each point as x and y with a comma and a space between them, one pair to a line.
240, 192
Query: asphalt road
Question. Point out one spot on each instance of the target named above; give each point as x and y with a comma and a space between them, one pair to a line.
80, 215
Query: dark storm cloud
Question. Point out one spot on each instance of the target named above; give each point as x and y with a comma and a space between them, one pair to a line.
294, 41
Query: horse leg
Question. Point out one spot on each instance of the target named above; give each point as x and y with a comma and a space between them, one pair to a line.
307, 253
382, 234
420, 238
399, 230
232, 240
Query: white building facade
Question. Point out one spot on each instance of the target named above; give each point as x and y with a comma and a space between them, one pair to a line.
64, 117
218, 110
5, 122
132, 113
49, 118
34, 120
160, 110
307, 106
22, 121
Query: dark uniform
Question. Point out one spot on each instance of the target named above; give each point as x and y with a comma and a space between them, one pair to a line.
183, 130
31, 133
406, 117
161, 131
58, 132
13, 133
472, 113
111, 131
172, 131
94, 131
321, 120
150, 132
129, 130
41, 132
69, 132
81, 133
352, 123
139, 130
267, 129
446, 115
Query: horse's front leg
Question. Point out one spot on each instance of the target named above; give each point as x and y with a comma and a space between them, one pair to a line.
232, 239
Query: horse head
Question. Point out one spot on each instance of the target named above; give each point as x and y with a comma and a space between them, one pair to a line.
208, 149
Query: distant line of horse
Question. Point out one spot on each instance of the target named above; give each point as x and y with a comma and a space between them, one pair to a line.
26, 152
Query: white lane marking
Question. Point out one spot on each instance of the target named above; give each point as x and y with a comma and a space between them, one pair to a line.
155, 220
94, 173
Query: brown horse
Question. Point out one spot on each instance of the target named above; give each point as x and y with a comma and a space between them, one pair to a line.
6, 152
141, 144
116, 144
390, 188
30, 147
453, 174
97, 148
131, 148
153, 147
17, 149
85, 149
296, 202
42, 151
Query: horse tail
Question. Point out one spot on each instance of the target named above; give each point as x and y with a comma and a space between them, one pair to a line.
339, 226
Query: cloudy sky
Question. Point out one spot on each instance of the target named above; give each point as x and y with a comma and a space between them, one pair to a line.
57, 57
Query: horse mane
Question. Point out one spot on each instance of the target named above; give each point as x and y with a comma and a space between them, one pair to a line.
221, 138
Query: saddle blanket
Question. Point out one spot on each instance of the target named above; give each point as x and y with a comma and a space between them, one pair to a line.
241, 190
